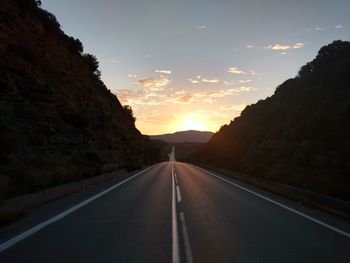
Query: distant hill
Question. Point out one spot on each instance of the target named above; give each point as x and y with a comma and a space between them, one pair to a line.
184, 136
300, 135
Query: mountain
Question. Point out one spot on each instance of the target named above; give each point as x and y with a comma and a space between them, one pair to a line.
184, 136
58, 121
299, 136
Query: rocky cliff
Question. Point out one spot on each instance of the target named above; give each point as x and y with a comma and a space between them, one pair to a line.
58, 121
299, 136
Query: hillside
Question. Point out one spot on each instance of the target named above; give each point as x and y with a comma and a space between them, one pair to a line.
58, 121
300, 135
184, 136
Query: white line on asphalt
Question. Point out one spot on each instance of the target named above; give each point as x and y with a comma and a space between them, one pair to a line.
339, 231
175, 178
188, 250
179, 198
58, 217
175, 246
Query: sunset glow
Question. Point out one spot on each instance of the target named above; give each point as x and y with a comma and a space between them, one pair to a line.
195, 64
191, 122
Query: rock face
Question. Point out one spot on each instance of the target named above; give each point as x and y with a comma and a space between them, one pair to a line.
58, 121
300, 135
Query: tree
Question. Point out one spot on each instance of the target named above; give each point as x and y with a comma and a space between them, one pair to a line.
93, 64
129, 112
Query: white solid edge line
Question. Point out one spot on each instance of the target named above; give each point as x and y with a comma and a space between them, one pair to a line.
339, 231
189, 257
175, 239
179, 198
11, 242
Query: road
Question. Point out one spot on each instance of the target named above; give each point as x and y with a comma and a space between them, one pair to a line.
177, 212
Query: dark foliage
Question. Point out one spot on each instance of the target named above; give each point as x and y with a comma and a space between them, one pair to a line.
129, 113
300, 135
155, 151
75, 45
92, 62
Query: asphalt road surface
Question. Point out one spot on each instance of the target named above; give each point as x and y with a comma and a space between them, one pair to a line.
177, 212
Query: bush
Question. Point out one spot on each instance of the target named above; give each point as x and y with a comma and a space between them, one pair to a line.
92, 62
129, 113
74, 45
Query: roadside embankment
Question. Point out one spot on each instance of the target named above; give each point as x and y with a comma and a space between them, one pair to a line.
12, 209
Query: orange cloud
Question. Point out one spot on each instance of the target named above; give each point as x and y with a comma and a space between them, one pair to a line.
193, 81
153, 83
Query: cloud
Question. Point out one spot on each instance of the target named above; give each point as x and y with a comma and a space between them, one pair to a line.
252, 72
216, 81
153, 84
193, 81
213, 81
283, 53
183, 99
280, 47
115, 61
243, 88
132, 76
319, 28
209, 100
233, 107
224, 92
245, 80
298, 45
201, 27
338, 26
235, 70
163, 71
139, 97
249, 46
284, 47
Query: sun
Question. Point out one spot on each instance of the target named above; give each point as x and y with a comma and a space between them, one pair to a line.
191, 122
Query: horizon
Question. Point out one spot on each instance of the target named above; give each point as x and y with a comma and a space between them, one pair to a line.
196, 65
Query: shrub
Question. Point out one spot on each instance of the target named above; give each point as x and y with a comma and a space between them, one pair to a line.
129, 113
92, 62
74, 45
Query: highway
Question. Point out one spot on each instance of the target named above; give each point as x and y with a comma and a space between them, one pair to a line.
177, 212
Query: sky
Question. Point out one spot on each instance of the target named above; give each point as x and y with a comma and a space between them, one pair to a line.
195, 64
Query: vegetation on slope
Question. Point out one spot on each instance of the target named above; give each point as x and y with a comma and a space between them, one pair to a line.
58, 121
299, 136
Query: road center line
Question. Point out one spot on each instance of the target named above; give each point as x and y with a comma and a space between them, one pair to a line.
58, 217
188, 250
339, 231
176, 178
179, 198
175, 245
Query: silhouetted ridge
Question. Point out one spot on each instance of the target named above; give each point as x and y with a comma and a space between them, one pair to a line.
58, 120
298, 136
184, 136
